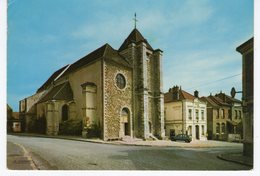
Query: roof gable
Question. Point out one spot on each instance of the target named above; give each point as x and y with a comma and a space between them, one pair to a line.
59, 92
105, 51
134, 37
51, 79
177, 95
210, 101
186, 95
249, 44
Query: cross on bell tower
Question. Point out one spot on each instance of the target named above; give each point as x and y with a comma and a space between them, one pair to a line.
135, 20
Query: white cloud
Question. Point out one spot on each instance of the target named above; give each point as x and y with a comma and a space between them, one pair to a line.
191, 13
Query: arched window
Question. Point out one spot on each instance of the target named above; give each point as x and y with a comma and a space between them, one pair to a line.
223, 113
125, 120
217, 128
120, 81
223, 128
65, 113
235, 114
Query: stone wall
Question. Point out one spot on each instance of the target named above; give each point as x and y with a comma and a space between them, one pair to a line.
88, 74
116, 99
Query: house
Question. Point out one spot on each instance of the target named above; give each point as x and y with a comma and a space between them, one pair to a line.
225, 116
185, 113
247, 51
116, 93
14, 123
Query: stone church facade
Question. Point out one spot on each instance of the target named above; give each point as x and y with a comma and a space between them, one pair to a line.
120, 91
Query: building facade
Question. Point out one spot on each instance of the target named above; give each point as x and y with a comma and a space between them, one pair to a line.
117, 91
247, 51
185, 114
225, 116
14, 123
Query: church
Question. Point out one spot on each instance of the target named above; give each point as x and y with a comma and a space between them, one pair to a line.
117, 90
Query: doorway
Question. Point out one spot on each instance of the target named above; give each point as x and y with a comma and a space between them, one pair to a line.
65, 112
125, 122
197, 132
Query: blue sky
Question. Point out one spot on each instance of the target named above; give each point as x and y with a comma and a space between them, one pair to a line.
198, 38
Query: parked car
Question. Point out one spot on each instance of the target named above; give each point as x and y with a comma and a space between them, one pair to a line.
181, 137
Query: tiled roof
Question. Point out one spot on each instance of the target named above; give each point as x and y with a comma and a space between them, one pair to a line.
183, 95
168, 97
59, 92
210, 101
105, 51
51, 79
249, 44
134, 37
219, 101
227, 99
216, 101
186, 95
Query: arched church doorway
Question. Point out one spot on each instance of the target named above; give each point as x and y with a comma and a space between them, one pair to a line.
65, 112
125, 120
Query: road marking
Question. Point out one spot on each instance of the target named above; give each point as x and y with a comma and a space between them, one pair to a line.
27, 155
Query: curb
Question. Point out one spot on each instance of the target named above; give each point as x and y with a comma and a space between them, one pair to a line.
222, 157
26, 156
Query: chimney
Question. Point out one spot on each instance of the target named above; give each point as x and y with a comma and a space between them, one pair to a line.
196, 94
175, 92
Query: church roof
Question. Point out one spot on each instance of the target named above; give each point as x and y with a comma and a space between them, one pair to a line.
59, 92
9, 108
134, 37
51, 78
105, 51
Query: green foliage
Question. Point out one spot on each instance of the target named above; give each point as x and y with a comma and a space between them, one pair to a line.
70, 127
37, 125
93, 131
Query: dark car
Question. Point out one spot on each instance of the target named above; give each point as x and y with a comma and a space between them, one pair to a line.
181, 137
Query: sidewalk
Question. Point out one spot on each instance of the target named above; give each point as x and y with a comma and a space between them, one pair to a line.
237, 158
18, 158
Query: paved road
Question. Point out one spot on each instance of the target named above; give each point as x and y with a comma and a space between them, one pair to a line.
74, 155
18, 158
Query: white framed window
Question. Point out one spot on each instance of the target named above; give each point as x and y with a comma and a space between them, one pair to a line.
190, 114
202, 115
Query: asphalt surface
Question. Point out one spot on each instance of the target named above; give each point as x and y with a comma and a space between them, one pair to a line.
59, 154
18, 158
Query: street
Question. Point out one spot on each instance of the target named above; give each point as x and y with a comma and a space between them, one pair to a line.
59, 154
